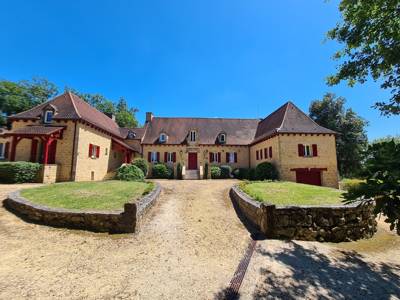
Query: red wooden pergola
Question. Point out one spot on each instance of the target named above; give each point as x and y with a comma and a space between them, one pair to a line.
120, 146
47, 134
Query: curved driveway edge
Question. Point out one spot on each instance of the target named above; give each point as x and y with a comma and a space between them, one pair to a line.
119, 221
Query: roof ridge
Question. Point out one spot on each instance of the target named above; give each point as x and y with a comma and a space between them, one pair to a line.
294, 105
208, 118
73, 103
284, 115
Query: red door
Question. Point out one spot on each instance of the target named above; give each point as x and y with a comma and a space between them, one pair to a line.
52, 152
309, 177
192, 165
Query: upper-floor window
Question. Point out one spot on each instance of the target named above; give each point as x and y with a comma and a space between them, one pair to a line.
94, 151
131, 135
192, 135
48, 116
222, 138
306, 150
163, 138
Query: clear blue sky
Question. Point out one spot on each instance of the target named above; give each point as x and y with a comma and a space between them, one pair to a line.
206, 58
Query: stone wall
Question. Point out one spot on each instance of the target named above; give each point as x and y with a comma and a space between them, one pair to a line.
122, 221
334, 223
48, 173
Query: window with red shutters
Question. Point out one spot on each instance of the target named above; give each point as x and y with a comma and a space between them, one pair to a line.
314, 150
300, 149
165, 156
174, 156
265, 153
270, 152
149, 156
235, 157
257, 155
219, 157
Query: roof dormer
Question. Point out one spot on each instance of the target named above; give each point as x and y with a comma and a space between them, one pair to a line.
48, 113
163, 137
222, 137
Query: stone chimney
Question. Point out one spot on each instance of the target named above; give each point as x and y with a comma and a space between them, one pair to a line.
149, 117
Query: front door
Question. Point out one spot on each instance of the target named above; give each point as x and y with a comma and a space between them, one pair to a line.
192, 161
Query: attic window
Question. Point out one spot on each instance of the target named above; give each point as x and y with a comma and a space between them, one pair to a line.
222, 138
192, 135
163, 138
131, 135
48, 116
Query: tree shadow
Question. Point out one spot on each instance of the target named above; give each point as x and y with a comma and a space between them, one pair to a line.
311, 273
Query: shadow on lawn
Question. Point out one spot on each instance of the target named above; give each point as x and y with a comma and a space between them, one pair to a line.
316, 275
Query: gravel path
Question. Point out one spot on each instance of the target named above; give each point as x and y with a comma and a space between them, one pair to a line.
189, 248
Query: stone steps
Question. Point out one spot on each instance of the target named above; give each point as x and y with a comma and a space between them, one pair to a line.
192, 175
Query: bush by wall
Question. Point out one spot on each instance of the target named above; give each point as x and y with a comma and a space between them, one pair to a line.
226, 171
19, 172
160, 171
215, 172
141, 164
266, 170
130, 172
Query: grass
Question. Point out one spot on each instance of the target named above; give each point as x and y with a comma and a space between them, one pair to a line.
290, 193
104, 195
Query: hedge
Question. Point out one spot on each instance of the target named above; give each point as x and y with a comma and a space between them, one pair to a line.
19, 172
130, 172
161, 171
266, 170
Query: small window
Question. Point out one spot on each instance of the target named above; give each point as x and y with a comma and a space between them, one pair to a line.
192, 136
94, 151
307, 150
170, 157
215, 157
2, 150
131, 135
222, 138
163, 138
231, 157
48, 116
153, 156
106, 152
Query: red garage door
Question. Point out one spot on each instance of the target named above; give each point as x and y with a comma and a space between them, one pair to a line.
309, 176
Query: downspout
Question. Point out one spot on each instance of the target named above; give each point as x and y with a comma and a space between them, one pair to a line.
72, 173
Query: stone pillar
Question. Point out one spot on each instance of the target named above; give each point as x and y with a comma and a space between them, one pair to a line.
49, 173
267, 221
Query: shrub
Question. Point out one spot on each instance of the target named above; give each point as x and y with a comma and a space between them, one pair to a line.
348, 184
179, 171
251, 174
226, 171
241, 173
266, 170
160, 171
130, 172
170, 169
19, 172
215, 172
205, 175
141, 164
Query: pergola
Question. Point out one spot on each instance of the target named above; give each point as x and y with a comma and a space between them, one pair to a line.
47, 134
126, 149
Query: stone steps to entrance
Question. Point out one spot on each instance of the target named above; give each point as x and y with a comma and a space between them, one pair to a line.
192, 175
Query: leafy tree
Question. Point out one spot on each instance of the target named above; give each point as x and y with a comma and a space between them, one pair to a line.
370, 31
351, 142
19, 96
388, 138
125, 116
383, 181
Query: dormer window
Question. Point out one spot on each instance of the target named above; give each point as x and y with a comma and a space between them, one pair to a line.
222, 138
131, 135
163, 138
192, 135
48, 116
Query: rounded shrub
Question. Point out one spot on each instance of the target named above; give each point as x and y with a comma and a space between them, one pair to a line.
251, 174
160, 171
241, 173
226, 171
19, 172
129, 172
141, 164
266, 170
215, 172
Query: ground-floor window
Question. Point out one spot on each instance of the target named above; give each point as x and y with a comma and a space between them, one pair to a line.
215, 157
154, 156
231, 157
2, 150
170, 157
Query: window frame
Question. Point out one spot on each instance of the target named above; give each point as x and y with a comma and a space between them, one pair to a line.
46, 114
170, 157
222, 141
192, 136
153, 157
231, 157
93, 155
307, 153
164, 139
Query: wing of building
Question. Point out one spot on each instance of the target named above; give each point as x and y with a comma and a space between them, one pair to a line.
77, 142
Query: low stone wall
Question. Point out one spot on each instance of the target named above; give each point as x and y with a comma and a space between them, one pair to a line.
122, 221
334, 223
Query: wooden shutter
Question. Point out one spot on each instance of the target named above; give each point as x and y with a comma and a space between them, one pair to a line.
174, 156
165, 156
235, 157
219, 157
227, 157
315, 150
300, 148
34, 150
149, 156
257, 155
261, 154
90, 150
98, 151
158, 156
211, 157
270, 152
6, 150
265, 153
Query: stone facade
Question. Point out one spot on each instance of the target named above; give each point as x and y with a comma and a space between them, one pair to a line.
124, 221
335, 223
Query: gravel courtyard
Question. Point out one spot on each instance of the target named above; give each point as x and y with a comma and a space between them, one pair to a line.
188, 248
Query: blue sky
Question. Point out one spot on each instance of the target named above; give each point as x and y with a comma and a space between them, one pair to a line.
205, 58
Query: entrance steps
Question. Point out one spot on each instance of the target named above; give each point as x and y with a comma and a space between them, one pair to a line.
192, 175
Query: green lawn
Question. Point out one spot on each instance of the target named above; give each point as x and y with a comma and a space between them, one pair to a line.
290, 193
104, 195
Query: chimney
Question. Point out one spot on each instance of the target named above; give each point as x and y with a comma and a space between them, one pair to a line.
149, 117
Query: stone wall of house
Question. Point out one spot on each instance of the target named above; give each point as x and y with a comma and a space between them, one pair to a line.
335, 223
123, 221
271, 142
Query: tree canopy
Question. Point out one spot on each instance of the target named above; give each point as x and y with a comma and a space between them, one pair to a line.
370, 32
351, 142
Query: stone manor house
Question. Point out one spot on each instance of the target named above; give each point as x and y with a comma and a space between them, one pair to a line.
76, 142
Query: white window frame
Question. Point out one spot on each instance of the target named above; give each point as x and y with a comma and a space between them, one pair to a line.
307, 150
231, 157
163, 137
94, 151
2, 150
153, 156
215, 157
222, 140
170, 157
192, 135
46, 113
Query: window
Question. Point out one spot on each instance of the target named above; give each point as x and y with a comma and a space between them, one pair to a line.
2, 150
231, 157
222, 138
307, 150
94, 151
261, 154
215, 157
153, 157
106, 151
131, 135
48, 116
192, 136
169, 157
163, 138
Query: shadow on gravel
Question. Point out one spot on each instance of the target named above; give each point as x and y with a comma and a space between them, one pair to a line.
346, 276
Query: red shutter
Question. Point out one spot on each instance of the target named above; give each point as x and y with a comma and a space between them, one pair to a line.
261, 154
90, 150
265, 152
158, 156
300, 149
219, 157
315, 150
165, 156
235, 157
98, 151
227, 157
6, 150
211, 157
149, 156
270, 152
34, 150
257, 155
174, 156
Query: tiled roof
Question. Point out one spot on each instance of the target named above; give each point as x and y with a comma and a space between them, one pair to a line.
139, 132
125, 145
35, 130
238, 131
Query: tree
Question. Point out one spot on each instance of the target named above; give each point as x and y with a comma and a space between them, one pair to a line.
19, 96
352, 140
125, 116
383, 181
370, 30
388, 138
